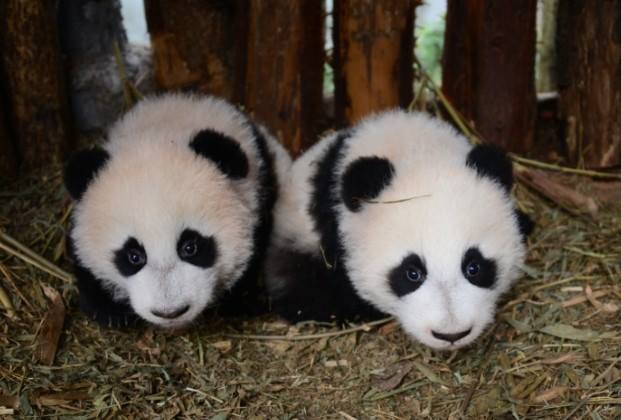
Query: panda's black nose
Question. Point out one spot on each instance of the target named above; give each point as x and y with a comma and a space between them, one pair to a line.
452, 337
171, 314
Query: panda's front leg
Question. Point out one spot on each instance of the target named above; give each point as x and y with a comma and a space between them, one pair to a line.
96, 302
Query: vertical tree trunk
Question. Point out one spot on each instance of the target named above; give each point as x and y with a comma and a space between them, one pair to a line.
589, 79
459, 62
199, 44
488, 68
32, 68
373, 56
285, 68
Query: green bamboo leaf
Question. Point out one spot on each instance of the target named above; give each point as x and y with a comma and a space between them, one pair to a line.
569, 332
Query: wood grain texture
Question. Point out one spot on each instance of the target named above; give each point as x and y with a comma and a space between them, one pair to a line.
199, 45
373, 56
488, 68
34, 81
589, 80
285, 68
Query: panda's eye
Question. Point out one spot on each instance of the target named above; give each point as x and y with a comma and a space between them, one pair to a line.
479, 270
408, 276
414, 274
196, 249
189, 249
130, 258
136, 257
472, 269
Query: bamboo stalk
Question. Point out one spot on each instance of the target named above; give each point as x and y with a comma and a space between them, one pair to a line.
9, 279
5, 301
459, 119
564, 169
131, 95
13, 247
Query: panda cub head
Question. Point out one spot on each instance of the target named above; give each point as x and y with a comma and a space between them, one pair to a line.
165, 211
427, 226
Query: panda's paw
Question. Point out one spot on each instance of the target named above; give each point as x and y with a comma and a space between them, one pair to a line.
114, 320
106, 312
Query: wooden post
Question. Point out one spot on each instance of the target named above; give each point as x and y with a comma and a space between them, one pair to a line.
373, 56
589, 80
285, 68
36, 97
459, 65
488, 68
199, 44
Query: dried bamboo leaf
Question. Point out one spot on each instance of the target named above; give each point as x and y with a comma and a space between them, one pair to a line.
11, 401
550, 394
47, 341
393, 378
569, 332
429, 373
5, 302
60, 398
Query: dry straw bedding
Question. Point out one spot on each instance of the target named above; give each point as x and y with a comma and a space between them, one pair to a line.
554, 352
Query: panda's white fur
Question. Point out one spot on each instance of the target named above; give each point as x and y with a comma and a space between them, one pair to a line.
153, 186
435, 206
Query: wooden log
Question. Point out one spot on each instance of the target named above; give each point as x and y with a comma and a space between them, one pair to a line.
32, 70
589, 80
488, 68
373, 56
199, 45
285, 68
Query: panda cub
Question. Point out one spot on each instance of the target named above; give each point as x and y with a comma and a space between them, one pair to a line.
399, 215
173, 212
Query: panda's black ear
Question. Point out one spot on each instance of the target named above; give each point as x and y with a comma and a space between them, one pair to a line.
82, 168
492, 162
525, 224
364, 179
223, 151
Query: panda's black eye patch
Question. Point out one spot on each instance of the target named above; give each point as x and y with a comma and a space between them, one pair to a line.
197, 249
477, 269
407, 276
130, 258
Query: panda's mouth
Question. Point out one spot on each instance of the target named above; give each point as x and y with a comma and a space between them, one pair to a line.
170, 314
451, 340
451, 337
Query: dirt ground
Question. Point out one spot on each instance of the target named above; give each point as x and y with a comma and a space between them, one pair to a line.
554, 352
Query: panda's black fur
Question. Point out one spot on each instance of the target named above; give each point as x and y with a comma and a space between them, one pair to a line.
247, 295
319, 287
